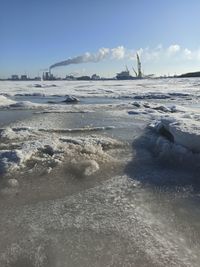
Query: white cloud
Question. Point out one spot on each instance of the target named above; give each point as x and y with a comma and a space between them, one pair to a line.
187, 53
141, 51
165, 55
197, 54
172, 53
118, 52
150, 54
103, 53
172, 49
173, 58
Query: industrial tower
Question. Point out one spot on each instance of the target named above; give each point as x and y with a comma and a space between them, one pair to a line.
139, 74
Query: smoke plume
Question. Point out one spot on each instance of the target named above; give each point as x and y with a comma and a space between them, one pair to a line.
85, 58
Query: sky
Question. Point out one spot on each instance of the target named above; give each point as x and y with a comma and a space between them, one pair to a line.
37, 34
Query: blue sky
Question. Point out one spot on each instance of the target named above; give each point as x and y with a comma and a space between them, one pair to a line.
36, 34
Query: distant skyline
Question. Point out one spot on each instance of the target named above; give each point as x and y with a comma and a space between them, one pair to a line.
37, 34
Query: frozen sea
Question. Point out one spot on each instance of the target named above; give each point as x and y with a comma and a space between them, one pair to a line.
111, 179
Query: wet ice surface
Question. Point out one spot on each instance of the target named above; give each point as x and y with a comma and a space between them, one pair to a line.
109, 181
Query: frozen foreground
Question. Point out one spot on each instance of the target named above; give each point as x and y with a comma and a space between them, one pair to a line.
100, 173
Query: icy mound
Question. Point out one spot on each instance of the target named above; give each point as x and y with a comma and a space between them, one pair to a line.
176, 143
71, 99
85, 155
183, 132
30, 148
5, 101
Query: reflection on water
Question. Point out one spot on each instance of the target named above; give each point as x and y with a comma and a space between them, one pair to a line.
10, 116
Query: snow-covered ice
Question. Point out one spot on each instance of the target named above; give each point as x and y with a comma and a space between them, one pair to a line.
44, 145
109, 178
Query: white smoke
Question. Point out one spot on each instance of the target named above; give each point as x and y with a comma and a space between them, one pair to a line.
85, 58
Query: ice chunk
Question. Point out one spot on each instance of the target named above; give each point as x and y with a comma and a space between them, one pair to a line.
136, 104
7, 133
5, 101
71, 99
185, 132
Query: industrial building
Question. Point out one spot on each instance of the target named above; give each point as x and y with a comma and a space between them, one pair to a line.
48, 76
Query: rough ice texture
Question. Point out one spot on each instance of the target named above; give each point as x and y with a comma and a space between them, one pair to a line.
109, 207
155, 98
29, 144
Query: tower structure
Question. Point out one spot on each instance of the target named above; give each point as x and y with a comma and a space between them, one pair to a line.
139, 67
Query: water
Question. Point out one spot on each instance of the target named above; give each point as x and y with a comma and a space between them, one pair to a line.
10, 116
136, 210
